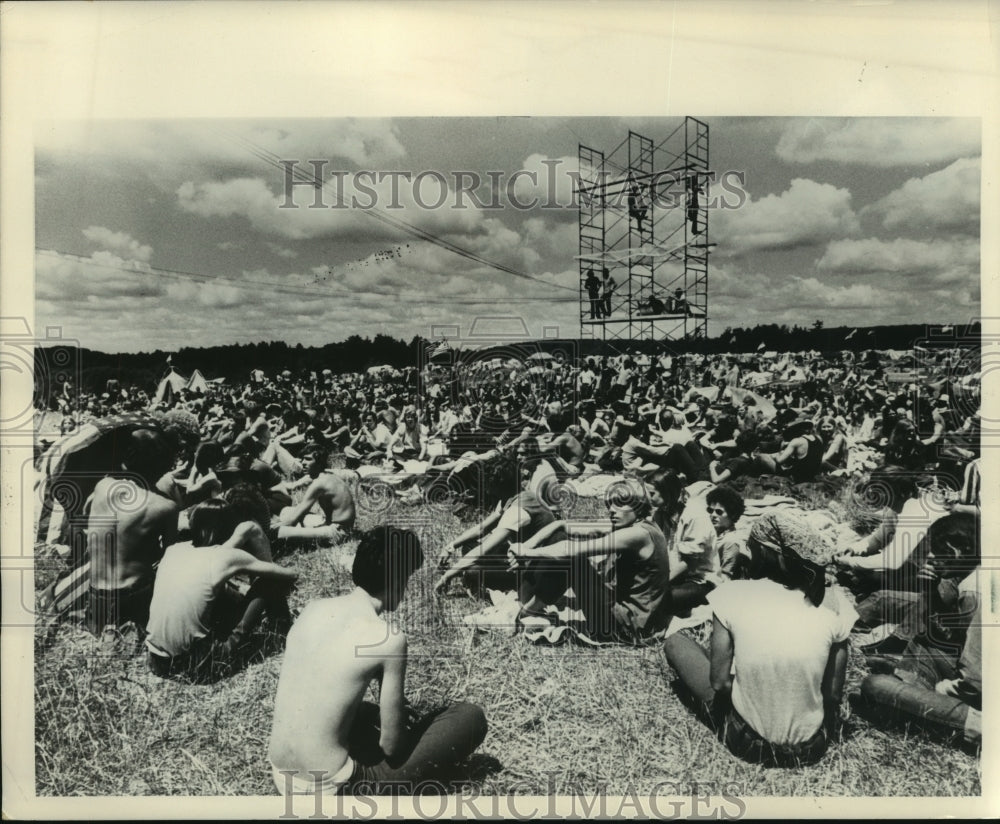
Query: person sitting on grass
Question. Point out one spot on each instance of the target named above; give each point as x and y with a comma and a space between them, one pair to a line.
694, 559
772, 683
931, 687
867, 562
327, 488
324, 737
199, 624
835, 444
482, 550
624, 594
245, 466
409, 441
129, 526
365, 444
568, 451
199, 483
802, 456
725, 508
740, 465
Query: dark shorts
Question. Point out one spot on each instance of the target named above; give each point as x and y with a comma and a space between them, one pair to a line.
119, 606
746, 743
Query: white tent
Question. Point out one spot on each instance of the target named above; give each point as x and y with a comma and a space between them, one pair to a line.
197, 382
169, 387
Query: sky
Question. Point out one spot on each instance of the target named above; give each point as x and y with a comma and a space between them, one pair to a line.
164, 234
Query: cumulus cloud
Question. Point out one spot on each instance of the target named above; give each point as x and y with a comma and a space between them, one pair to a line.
546, 181
908, 262
281, 251
349, 210
557, 239
947, 199
164, 146
880, 142
806, 213
94, 280
118, 242
740, 298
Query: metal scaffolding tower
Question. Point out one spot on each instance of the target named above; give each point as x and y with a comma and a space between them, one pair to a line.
643, 225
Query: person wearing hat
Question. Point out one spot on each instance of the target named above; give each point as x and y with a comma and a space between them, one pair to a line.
802, 457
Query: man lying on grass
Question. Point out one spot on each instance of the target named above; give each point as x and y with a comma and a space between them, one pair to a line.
325, 738
622, 594
197, 624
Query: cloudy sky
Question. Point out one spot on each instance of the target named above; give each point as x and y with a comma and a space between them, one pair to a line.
162, 234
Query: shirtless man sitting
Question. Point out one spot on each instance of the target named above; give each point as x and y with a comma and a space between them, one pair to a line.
325, 738
129, 527
569, 451
330, 490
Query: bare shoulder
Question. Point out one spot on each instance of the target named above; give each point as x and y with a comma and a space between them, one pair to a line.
246, 530
632, 538
161, 504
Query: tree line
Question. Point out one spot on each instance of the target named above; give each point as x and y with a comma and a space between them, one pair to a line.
89, 370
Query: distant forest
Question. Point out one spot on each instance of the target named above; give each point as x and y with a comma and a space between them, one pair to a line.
90, 369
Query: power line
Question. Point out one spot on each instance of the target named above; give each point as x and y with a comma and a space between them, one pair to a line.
308, 290
275, 160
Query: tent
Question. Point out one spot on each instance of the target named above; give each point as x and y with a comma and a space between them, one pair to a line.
197, 382
169, 387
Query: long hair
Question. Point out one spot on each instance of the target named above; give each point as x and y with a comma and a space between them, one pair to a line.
213, 522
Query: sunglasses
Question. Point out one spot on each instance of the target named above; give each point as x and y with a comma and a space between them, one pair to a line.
716, 510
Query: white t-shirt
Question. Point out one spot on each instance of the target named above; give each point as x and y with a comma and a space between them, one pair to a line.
781, 644
693, 542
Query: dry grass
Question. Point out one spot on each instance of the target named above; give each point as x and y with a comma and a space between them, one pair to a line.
561, 720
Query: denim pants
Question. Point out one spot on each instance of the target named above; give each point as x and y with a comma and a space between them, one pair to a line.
437, 743
914, 700
692, 663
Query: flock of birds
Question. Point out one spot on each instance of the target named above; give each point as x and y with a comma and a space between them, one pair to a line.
379, 257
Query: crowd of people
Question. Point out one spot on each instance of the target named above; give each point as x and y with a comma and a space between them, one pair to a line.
174, 514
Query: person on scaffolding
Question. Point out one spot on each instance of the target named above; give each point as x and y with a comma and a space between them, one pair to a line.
594, 293
607, 290
635, 208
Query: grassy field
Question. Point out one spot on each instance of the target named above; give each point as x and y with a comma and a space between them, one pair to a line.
562, 720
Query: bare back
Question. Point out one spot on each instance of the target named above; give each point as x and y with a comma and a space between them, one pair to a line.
334, 496
333, 652
127, 530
